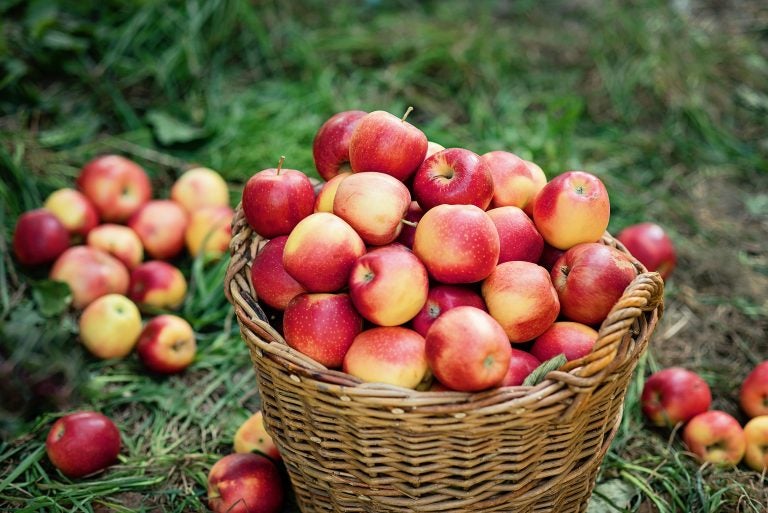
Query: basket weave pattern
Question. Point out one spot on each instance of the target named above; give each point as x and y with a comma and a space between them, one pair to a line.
351, 446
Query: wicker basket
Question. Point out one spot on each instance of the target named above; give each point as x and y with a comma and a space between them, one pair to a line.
354, 447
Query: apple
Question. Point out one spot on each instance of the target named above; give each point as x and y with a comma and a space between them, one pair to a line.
521, 364
520, 296
753, 394
650, 244
273, 285
327, 193
453, 176
39, 237
432, 148
157, 284
515, 181
572, 208
245, 483
74, 210
373, 204
209, 231
320, 252
200, 187
393, 355
252, 436
572, 339
442, 298
716, 437
160, 224
116, 186
549, 256
330, 147
756, 436
408, 232
90, 273
119, 241
110, 326
457, 243
167, 344
467, 349
590, 278
385, 143
275, 200
539, 180
82, 443
322, 326
674, 395
518, 237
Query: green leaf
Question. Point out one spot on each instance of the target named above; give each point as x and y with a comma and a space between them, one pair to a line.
538, 374
170, 130
52, 297
611, 496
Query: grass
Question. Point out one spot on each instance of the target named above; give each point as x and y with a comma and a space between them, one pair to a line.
667, 105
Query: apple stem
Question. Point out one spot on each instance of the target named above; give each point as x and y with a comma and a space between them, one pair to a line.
280, 164
407, 111
408, 223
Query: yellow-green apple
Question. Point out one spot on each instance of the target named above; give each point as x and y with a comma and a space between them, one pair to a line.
272, 283
157, 284
119, 241
252, 436
160, 224
650, 244
515, 182
521, 364
756, 435
388, 144
590, 278
520, 296
753, 394
116, 186
393, 355
322, 326
453, 176
716, 437
74, 210
572, 339
330, 147
320, 252
408, 232
442, 298
327, 193
245, 483
167, 344
39, 237
82, 443
110, 326
674, 395
90, 273
467, 349
518, 237
200, 187
209, 231
549, 256
274, 200
388, 285
432, 148
457, 243
572, 208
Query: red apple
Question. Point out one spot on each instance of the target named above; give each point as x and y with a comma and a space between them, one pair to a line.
327, 193
200, 187
716, 437
245, 483
519, 239
442, 298
432, 148
572, 339
515, 182
330, 147
276, 199
520, 296
157, 284
39, 237
753, 395
590, 278
160, 224
572, 208
453, 176
82, 443
756, 436
252, 436
116, 186
74, 210
467, 349
272, 283
322, 326
539, 181
167, 344
119, 241
457, 243
90, 273
549, 256
392, 355
521, 364
388, 285
674, 395
110, 326
408, 232
385, 143
650, 244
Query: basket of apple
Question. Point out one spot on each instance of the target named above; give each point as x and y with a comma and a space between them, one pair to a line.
434, 329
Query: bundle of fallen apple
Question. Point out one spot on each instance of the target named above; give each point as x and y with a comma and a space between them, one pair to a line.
414, 260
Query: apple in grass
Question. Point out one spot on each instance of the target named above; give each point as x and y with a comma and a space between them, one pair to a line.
39, 237
650, 244
167, 344
245, 483
572, 339
674, 395
388, 285
200, 187
520, 296
82, 443
393, 355
572, 208
330, 147
753, 394
119, 241
515, 181
116, 186
272, 283
209, 231
90, 273
110, 326
756, 436
521, 364
715, 436
74, 210
157, 284
160, 224
327, 193
519, 239
252, 436
442, 298
453, 176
